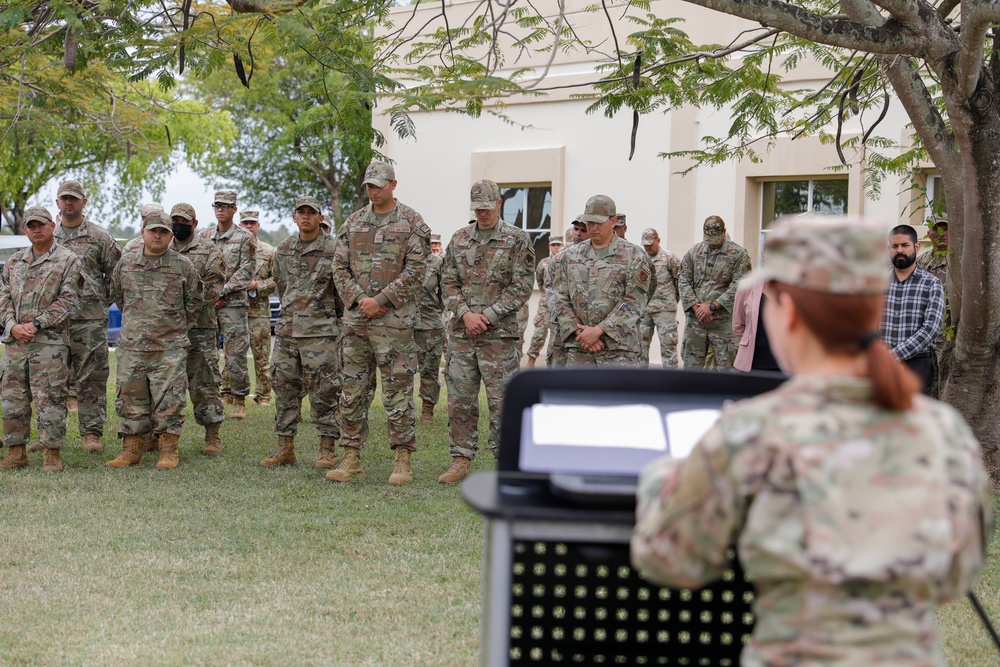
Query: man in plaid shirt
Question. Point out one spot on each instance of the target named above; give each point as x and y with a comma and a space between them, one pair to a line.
914, 307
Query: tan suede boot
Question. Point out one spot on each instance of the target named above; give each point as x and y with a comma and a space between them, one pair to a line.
531, 362
213, 442
72, 405
16, 458
227, 399
51, 462
327, 445
36, 446
239, 408
458, 471
150, 443
131, 452
92, 443
349, 468
263, 401
285, 456
168, 451
427, 413
401, 473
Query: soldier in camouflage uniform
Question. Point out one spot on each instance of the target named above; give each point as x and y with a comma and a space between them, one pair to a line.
159, 293
661, 311
203, 353
486, 278
935, 262
305, 349
239, 250
855, 504
599, 292
710, 273
541, 322
428, 333
259, 311
556, 356
380, 262
39, 291
88, 327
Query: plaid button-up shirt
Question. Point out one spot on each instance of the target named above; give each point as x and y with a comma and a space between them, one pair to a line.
914, 311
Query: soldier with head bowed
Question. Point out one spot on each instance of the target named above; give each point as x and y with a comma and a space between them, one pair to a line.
428, 333
541, 321
381, 259
661, 311
39, 291
259, 310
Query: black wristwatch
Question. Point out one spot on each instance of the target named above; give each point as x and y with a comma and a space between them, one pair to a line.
712, 307
38, 325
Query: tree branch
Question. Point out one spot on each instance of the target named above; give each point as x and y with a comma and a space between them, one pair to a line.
977, 18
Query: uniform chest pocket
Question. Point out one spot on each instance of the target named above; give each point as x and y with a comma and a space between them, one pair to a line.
612, 280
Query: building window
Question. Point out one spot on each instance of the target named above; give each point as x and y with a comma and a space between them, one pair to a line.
529, 207
778, 198
936, 202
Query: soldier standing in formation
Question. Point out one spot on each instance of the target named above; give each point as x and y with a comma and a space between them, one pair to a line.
541, 321
38, 293
380, 260
661, 310
935, 262
428, 333
487, 277
88, 326
239, 250
599, 291
259, 310
710, 273
203, 353
159, 294
305, 350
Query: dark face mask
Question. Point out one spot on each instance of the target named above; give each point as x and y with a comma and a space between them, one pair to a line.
182, 232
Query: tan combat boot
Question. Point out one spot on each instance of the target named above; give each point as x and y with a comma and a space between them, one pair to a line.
327, 445
458, 471
51, 462
131, 452
92, 443
16, 458
349, 468
72, 405
263, 401
401, 473
168, 451
285, 455
227, 399
36, 446
213, 443
239, 408
150, 443
531, 362
427, 413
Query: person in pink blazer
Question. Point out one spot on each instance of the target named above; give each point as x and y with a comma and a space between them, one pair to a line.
755, 351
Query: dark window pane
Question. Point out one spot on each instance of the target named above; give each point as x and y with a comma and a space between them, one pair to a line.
830, 197
790, 197
512, 210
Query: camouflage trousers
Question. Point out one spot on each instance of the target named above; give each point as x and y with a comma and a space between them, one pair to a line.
666, 328
430, 347
471, 361
203, 376
555, 356
306, 366
541, 323
35, 372
150, 392
88, 371
576, 356
235, 329
260, 348
716, 339
395, 354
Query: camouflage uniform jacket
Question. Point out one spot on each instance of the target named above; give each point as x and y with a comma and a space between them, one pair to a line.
493, 276
303, 274
160, 299
211, 268
46, 289
601, 287
260, 306
937, 265
665, 295
382, 259
239, 251
430, 305
98, 252
853, 521
709, 275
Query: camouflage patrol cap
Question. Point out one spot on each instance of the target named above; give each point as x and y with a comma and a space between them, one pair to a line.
714, 230
568, 238
833, 254
485, 195
71, 188
555, 240
185, 211
650, 236
621, 220
311, 202
37, 213
577, 221
379, 173
436, 237
225, 197
148, 209
599, 208
249, 216
157, 219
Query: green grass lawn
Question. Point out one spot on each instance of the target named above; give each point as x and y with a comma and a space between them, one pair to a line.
224, 562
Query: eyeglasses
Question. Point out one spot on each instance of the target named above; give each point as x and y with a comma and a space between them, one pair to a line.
220, 206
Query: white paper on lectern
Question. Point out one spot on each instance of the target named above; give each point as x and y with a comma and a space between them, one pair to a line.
626, 426
686, 427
